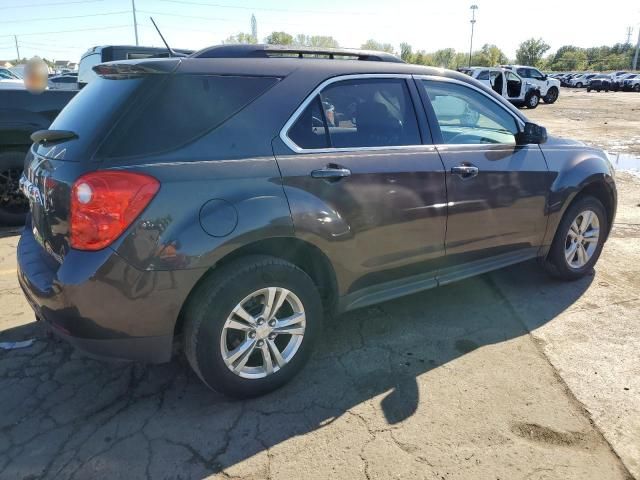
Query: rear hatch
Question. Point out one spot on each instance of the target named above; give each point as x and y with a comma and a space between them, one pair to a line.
54, 164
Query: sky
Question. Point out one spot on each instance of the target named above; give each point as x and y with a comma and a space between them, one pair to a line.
64, 29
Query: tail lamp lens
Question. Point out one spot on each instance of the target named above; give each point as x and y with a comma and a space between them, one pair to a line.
105, 203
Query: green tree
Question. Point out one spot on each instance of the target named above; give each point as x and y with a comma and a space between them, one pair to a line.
444, 58
490, 56
240, 38
374, 45
531, 52
319, 41
406, 52
279, 38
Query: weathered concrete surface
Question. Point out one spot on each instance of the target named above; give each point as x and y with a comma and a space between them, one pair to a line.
444, 384
607, 120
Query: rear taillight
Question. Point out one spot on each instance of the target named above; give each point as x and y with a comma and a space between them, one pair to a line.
105, 203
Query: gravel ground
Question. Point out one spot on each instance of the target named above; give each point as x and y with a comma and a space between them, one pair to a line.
527, 378
610, 120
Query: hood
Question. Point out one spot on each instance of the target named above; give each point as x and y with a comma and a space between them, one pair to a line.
566, 142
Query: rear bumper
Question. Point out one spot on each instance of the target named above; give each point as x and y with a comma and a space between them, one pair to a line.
101, 304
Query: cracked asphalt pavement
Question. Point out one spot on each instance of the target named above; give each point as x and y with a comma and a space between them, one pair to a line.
509, 375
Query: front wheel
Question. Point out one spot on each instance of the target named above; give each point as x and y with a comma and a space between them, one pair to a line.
579, 239
636, 87
588, 89
251, 325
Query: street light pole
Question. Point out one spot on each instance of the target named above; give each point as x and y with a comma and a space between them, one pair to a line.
473, 23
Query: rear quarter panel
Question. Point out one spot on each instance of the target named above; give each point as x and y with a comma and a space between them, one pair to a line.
169, 234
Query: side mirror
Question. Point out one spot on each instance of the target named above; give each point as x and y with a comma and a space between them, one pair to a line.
531, 134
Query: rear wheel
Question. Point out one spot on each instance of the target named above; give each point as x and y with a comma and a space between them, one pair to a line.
579, 239
251, 325
14, 206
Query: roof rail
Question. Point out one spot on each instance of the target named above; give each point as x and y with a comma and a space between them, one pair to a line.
269, 51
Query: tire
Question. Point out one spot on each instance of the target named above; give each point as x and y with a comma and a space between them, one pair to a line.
557, 262
13, 205
636, 87
588, 89
532, 100
579, 85
598, 90
211, 306
551, 96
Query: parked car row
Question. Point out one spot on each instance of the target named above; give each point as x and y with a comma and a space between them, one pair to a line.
621, 80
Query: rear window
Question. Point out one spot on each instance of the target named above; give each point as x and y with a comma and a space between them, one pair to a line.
89, 112
177, 109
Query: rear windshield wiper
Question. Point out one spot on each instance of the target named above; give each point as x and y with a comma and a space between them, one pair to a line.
52, 136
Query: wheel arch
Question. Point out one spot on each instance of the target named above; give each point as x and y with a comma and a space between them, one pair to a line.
599, 186
303, 254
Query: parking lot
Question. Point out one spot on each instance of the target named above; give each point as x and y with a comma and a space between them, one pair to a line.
509, 375
608, 120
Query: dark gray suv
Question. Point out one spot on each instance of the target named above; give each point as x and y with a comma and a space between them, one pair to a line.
235, 197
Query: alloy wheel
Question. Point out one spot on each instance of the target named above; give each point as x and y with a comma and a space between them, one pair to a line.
582, 239
263, 332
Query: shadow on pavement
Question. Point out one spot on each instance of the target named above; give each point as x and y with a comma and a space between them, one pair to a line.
63, 415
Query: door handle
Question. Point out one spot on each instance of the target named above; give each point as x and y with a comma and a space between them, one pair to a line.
331, 172
465, 171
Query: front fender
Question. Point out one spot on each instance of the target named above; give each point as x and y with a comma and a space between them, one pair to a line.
577, 168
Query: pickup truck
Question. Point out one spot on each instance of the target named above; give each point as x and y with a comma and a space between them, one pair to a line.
21, 114
508, 84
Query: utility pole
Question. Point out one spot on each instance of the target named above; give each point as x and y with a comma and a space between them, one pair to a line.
135, 23
635, 57
629, 33
473, 23
15, 37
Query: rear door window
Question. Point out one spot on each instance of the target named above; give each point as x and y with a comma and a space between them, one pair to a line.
178, 109
374, 112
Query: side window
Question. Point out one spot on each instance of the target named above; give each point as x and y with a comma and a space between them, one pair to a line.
372, 112
511, 77
466, 116
310, 129
536, 74
483, 75
524, 72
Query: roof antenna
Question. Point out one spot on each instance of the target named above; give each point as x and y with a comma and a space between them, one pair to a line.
171, 52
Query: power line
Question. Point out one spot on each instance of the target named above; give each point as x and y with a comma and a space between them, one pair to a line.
69, 31
28, 5
40, 19
197, 17
286, 10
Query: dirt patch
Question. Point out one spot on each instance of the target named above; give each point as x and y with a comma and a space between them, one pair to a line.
541, 434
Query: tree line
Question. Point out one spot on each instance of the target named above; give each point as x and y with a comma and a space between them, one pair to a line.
532, 52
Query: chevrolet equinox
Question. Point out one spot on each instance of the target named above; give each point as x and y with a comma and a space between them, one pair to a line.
235, 197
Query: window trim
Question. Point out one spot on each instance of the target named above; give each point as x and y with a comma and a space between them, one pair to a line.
292, 120
519, 122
